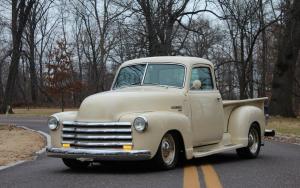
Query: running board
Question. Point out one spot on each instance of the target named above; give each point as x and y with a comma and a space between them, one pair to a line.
205, 151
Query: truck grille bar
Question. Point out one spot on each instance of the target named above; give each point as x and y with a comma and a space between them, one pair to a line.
96, 134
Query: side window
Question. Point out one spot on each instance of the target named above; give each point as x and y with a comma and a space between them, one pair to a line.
203, 75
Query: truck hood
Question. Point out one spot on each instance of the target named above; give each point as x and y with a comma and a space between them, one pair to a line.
111, 105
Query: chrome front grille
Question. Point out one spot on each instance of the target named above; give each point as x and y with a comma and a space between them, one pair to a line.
96, 135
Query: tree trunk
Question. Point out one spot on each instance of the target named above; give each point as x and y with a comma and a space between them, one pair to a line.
32, 68
1, 84
242, 79
22, 93
284, 72
62, 103
11, 80
243, 85
251, 79
262, 91
20, 12
41, 71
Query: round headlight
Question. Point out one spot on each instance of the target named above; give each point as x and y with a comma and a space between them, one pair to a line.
53, 123
140, 124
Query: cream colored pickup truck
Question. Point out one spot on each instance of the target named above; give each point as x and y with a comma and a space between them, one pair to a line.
158, 109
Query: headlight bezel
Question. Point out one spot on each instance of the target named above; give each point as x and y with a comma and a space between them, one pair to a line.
145, 124
53, 125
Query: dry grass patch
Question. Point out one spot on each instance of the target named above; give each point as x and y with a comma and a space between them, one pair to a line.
17, 144
286, 126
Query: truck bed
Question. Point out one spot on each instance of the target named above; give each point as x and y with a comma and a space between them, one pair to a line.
230, 105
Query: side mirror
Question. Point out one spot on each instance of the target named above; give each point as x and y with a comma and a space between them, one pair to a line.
196, 85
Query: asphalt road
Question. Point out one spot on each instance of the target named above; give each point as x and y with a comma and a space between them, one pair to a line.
277, 166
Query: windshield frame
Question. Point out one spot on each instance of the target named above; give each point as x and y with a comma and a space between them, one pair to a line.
144, 74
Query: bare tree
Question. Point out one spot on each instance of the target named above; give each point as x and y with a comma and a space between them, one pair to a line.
160, 17
284, 80
20, 11
97, 41
46, 30
36, 15
242, 20
5, 52
200, 40
131, 41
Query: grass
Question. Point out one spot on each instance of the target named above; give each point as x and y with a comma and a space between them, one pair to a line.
287, 126
38, 111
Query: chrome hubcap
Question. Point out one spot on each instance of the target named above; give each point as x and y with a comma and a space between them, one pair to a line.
168, 149
253, 140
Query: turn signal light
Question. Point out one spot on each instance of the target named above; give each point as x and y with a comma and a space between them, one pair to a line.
127, 147
66, 145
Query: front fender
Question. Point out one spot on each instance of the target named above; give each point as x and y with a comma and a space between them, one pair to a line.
240, 121
56, 134
159, 123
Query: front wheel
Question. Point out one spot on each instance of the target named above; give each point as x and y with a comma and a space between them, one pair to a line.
254, 143
168, 152
75, 164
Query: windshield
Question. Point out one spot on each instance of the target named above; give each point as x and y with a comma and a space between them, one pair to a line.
154, 74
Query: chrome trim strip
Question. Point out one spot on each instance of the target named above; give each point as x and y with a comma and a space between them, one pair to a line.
77, 123
67, 142
102, 154
84, 130
80, 136
82, 143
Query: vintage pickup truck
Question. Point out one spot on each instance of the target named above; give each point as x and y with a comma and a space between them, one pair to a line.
158, 109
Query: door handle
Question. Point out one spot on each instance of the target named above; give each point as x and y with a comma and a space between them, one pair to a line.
218, 99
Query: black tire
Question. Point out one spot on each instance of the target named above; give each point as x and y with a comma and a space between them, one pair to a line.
160, 159
75, 164
254, 144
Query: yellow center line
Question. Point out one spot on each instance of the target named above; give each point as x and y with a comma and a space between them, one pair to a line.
190, 177
211, 177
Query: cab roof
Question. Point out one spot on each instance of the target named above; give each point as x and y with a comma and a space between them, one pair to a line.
188, 61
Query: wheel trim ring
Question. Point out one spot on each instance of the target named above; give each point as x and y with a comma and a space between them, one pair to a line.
253, 141
168, 149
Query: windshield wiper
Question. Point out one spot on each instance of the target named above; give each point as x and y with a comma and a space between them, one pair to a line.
130, 85
136, 83
156, 84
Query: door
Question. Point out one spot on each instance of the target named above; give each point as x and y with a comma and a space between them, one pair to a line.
206, 107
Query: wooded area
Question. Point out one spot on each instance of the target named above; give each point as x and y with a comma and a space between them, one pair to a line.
57, 52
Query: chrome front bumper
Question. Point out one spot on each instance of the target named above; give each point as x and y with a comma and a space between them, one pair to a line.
103, 154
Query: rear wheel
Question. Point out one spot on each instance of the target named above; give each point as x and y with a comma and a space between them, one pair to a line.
254, 143
168, 152
75, 164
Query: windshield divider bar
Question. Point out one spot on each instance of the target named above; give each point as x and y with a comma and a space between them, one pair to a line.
142, 82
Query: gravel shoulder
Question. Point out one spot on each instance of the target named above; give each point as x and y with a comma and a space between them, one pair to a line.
287, 129
285, 138
18, 144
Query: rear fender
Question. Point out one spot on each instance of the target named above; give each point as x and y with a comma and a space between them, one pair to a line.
240, 121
